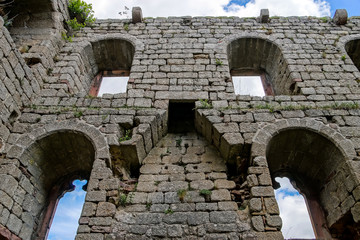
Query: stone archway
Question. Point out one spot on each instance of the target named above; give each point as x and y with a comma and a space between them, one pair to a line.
318, 159
51, 157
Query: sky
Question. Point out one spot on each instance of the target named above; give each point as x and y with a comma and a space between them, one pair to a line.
242, 8
293, 211
248, 85
65, 223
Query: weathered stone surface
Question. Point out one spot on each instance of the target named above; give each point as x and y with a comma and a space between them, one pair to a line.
340, 17
105, 209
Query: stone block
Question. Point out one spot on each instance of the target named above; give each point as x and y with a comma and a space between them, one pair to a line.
340, 17
198, 218
6, 200
89, 236
8, 184
88, 209
223, 183
14, 224
255, 205
105, 209
262, 191
148, 218
264, 16
223, 216
220, 195
227, 206
96, 196
176, 218
355, 211
274, 221
258, 223
202, 184
271, 206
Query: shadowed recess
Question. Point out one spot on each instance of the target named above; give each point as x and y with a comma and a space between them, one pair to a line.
60, 155
113, 54
353, 49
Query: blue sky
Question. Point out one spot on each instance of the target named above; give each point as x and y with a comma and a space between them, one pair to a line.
293, 211
65, 223
352, 6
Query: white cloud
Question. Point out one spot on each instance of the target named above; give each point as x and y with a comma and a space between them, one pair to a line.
293, 211
164, 8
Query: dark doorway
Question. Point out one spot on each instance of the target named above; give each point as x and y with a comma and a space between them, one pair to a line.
181, 117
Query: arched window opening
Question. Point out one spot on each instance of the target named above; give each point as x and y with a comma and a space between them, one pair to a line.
52, 164
293, 211
113, 60
69, 205
353, 49
261, 58
317, 166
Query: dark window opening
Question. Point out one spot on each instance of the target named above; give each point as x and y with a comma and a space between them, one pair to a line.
181, 117
353, 49
111, 82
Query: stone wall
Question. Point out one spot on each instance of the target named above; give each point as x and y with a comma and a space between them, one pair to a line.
217, 183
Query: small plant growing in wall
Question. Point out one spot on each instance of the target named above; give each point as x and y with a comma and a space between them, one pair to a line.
218, 62
78, 114
169, 211
178, 142
81, 15
126, 137
343, 57
204, 104
181, 194
206, 194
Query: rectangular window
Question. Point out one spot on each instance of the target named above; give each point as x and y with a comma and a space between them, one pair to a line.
251, 83
111, 82
248, 85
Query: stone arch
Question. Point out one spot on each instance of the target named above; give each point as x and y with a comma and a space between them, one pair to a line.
51, 157
103, 53
352, 48
318, 160
260, 53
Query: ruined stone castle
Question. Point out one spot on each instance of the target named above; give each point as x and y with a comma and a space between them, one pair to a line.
178, 155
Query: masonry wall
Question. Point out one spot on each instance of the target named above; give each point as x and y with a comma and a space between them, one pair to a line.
179, 59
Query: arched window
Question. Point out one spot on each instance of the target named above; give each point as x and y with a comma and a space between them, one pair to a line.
113, 59
318, 168
353, 49
263, 61
52, 163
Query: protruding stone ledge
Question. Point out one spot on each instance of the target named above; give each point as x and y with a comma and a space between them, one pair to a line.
264, 16
136, 15
340, 17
